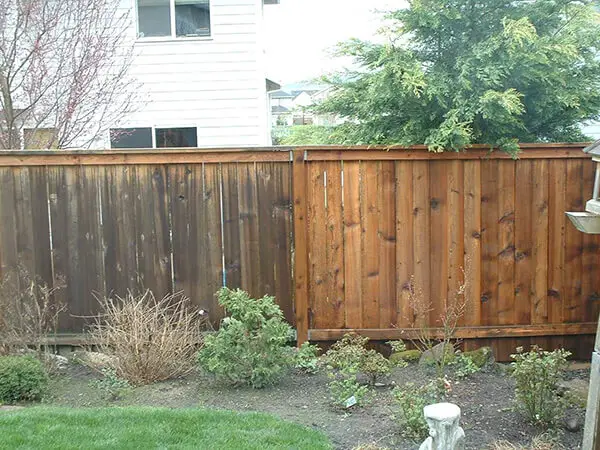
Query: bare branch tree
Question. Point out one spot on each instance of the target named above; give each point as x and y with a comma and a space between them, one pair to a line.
63, 71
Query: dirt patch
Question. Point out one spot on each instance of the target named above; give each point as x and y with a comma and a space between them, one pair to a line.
486, 400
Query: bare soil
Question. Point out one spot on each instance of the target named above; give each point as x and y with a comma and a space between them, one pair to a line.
486, 400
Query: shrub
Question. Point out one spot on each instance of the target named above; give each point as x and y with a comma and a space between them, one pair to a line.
411, 400
111, 385
344, 387
306, 359
21, 378
537, 374
29, 311
251, 347
350, 355
464, 366
150, 340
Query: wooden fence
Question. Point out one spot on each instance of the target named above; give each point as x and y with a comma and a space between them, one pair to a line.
362, 223
170, 221
367, 221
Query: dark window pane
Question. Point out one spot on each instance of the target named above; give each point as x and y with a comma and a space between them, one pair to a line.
176, 137
154, 18
192, 17
131, 138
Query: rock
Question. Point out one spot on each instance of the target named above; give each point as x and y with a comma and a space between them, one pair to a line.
573, 425
576, 389
57, 361
96, 360
407, 355
444, 427
481, 357
441, 350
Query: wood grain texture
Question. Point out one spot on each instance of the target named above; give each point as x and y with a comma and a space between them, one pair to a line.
352, 245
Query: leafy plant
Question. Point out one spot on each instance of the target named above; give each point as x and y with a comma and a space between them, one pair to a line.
464, 366
537, 374
453, 73
343, 385
251, 347
398, 350
306, 358
21, 378
411, 400
112, 386
149, 339
350, 355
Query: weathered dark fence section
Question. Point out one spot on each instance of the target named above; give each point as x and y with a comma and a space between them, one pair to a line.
363, 222
370, 219
168, 221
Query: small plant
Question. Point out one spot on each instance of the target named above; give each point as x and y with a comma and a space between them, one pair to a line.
350, 355
398, 349
22, 378
411, 400
537, 374
345, 390
112, 386
464, 366
306, 358
251, 347
149, 340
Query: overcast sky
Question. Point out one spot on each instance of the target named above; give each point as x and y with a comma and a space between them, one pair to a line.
300, 33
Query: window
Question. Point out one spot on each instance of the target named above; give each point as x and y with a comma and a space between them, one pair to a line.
176, 137
131, 138
191, 18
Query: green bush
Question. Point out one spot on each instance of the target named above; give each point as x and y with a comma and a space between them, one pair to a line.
464, 366
251, 347
411, 400
306, 359
21, 378
343, 385
536, 375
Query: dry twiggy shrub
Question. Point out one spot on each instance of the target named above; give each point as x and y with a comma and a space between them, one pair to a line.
29, 311
541, 442
151, 340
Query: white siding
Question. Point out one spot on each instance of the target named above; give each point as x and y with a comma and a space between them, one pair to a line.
216, 84
592, 130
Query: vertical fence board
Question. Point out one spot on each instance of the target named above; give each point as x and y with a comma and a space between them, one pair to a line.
265, 203
404, 242
352, 245
438, 189
472, 241
370, 244
317, 255
556, 244
539, 302
387, 244
421, 228
506, 237
490, 247
250, 253
523, 254
8, 226
231, 226
455, 239
334, 245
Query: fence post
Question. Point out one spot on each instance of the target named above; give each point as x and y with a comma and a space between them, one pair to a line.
591, 433
300, 245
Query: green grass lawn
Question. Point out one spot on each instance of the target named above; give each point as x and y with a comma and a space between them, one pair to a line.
151, 428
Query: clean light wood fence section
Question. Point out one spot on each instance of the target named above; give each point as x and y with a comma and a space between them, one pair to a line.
335, 234
170, 221
372, 219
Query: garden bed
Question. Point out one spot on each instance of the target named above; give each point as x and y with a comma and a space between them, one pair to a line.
486, 400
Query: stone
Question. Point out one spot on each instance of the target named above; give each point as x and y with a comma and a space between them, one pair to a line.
407, 355
436, 353
96, 360
481, 357
445, 432
57, 361
576, 389
573, 425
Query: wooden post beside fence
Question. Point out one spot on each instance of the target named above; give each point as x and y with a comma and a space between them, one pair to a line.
591, 433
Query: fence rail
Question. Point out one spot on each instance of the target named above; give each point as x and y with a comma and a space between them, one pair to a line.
335, 233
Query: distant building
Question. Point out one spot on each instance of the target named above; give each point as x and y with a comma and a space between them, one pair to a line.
291, 105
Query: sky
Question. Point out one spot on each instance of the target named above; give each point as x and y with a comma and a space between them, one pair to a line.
300, 34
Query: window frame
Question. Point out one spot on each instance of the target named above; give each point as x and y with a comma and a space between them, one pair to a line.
153, 129
173, 36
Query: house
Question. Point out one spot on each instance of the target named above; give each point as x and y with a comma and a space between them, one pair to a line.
291, 104
201, 66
